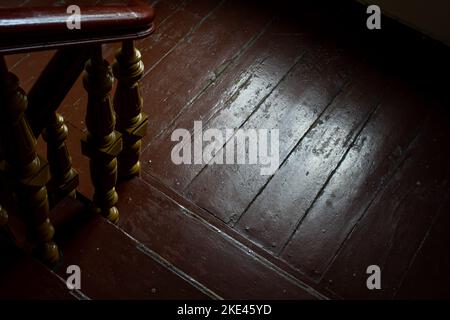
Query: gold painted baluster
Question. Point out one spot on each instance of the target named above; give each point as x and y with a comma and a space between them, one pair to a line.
103, 143
26, 168
131, 122
64, 179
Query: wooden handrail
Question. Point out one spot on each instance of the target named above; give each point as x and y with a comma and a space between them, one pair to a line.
42, 24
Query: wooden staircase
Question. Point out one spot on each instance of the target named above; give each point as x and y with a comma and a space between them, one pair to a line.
161, 249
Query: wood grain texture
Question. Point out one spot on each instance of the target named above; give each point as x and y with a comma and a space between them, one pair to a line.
424, 278
196, 247
366, 169
242, 86
216, 39
276, 211
393, 227
363, 180
112, 266
295, 104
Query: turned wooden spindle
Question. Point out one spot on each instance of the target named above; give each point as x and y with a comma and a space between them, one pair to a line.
131, 122
103, 143
64, 179
30, 172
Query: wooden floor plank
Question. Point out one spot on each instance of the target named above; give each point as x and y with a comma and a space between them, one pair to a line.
173, 82
245, 84
292, 108
13, 60
363, 188
171, 30
112, 266
368, 166
29, 68
273, 216
392, 229
23, 278
210, 257
238, 238
427, 277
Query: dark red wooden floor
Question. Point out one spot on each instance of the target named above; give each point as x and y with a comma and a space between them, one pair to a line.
364, 150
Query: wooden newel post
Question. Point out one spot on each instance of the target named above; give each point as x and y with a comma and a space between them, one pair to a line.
102, 144
131, 122
29, 171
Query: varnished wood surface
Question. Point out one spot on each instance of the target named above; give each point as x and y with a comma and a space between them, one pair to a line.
39, 24
112, 264
102, 143
27, 172
352, 188
364, 145
213, 259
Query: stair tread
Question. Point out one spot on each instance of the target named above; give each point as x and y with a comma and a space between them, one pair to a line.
24, 278
112, 266
207, 254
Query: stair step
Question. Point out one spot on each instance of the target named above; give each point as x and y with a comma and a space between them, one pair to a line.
23, 278
112, 264
214, 259
159, 250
